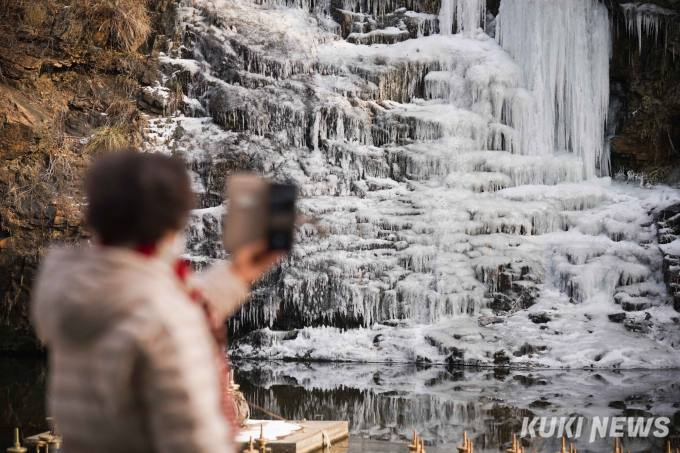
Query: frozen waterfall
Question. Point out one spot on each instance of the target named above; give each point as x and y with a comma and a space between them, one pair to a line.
448, 182
465, 15
563, 47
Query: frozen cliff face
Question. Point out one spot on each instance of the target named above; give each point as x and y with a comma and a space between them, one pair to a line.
436, 230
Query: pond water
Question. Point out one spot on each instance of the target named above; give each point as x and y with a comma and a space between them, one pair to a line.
385, 403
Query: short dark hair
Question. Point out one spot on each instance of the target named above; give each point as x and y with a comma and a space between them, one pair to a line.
135, 198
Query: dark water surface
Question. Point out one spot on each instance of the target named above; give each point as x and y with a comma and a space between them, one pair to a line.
384, 404
22, 397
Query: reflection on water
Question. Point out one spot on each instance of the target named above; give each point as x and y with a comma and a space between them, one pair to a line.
385, 403
22, 395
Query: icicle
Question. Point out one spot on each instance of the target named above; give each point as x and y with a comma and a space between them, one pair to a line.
645, 20
564, 47
466, 14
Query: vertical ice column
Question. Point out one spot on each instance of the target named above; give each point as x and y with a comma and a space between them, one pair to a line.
466, 15
563, 48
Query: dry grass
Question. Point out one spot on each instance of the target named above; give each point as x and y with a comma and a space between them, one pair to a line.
122, 111
35, 15
106, 139
657, 174
128, 85
176, 95
118, 24
25, 16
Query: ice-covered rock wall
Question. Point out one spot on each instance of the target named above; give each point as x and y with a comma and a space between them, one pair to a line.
441, 225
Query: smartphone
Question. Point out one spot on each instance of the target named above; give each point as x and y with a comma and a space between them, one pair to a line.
258, 209
281, 216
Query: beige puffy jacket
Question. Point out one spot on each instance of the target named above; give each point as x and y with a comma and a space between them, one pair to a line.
131, 358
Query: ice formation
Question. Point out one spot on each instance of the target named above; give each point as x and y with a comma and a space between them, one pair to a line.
564, 48
450, 193
646, 19
465, 15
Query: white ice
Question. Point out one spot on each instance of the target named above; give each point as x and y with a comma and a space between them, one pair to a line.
440, 177
564, 48
465, 15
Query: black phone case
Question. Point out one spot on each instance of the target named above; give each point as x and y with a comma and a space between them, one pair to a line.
281, 215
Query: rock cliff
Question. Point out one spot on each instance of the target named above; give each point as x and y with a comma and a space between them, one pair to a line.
71, 75
645, 81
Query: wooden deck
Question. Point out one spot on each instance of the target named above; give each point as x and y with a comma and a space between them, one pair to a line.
310, 438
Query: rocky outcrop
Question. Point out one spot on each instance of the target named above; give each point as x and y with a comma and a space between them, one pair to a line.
668, 224
402, 24
645, 80
63, 92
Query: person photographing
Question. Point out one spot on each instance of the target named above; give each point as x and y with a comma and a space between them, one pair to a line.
136, 359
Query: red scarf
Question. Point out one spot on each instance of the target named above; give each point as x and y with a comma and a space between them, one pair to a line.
219, 333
